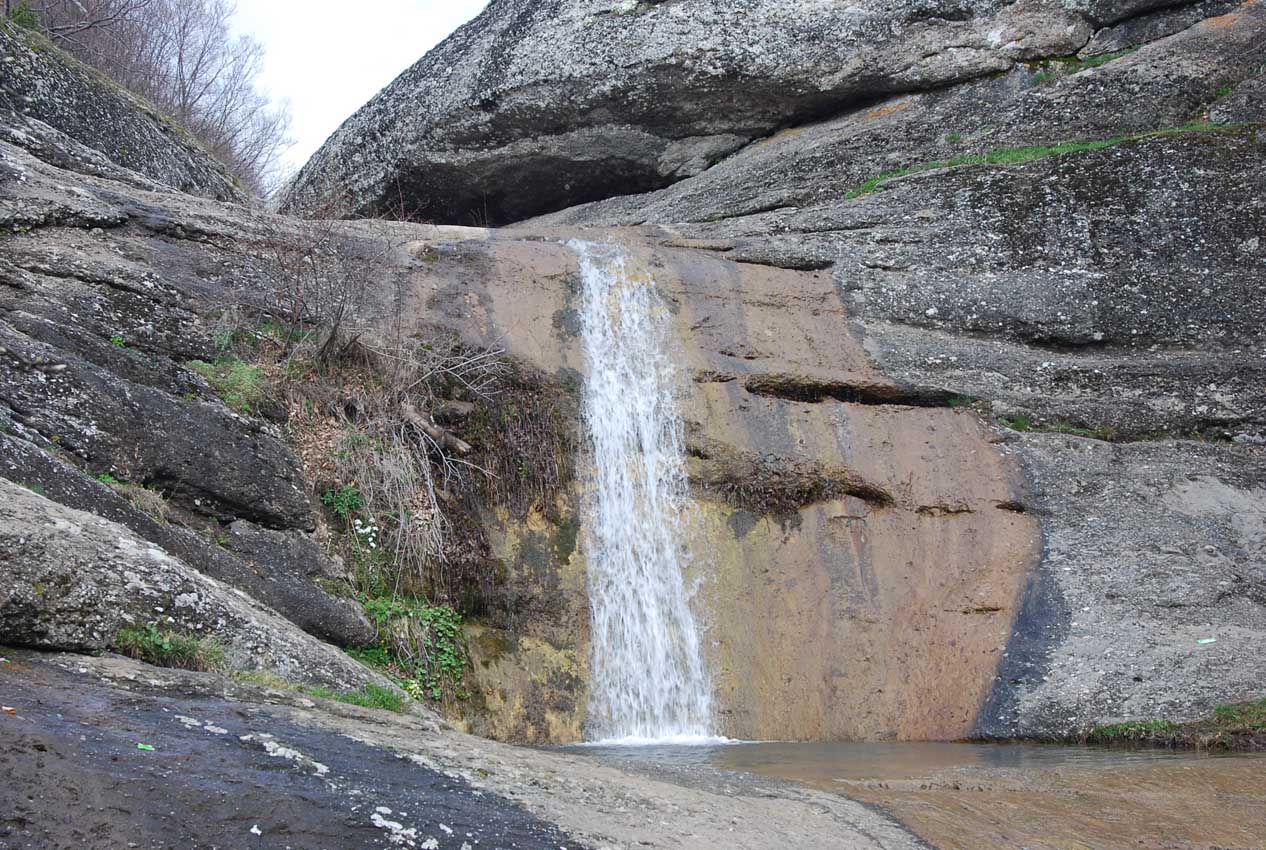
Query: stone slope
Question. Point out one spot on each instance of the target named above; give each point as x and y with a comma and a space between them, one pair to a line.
242, 765
72, 580
102, 296
42, 84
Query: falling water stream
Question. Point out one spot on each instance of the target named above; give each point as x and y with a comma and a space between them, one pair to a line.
648, 680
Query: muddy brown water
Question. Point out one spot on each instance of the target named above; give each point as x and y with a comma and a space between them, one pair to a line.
1003, 796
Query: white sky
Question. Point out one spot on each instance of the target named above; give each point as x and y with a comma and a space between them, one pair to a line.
328, 58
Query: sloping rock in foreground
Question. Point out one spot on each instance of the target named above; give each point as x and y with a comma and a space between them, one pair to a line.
246, 766
72, 580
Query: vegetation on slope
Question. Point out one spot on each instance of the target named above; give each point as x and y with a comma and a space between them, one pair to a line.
1235, 726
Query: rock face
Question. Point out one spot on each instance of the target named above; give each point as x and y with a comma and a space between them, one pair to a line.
975, 414
43, 85
95, 333
535, 106
72, 580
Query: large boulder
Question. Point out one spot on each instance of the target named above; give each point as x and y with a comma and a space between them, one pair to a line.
536, 106
72, 580
281, 569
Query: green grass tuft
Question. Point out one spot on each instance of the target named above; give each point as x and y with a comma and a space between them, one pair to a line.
1016, 423
368, 696
1016, 156
240, 384
164, 648
1234, 726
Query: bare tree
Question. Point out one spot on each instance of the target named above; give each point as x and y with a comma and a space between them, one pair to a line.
181, 55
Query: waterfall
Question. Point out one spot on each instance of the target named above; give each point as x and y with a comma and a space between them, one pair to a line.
648, 681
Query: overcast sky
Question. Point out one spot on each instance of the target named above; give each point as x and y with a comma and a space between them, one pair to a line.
328, 58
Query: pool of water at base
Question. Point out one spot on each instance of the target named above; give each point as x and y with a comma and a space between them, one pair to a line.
824, 763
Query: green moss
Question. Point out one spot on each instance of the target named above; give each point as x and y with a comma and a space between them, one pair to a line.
368, 696
240, 384
1015, 156
1016, 423
164, 648
1233, 726
1023, 422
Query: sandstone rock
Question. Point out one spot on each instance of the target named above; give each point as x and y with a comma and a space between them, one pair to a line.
42, 83
537, 106
72, 580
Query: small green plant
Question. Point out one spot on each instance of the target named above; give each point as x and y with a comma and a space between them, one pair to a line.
240, 384
346, 501
164, 648
108, 479
955, 137
960, 401
1069, 65
1016, 423
368, 696
34, 488
1017, 156
420, 646
222, 338
26, 17
118, 341
1223, 91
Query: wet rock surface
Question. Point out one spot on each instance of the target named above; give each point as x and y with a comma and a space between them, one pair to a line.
229, 758
220, 774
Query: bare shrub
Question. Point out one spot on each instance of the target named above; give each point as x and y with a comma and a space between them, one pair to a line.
364, 389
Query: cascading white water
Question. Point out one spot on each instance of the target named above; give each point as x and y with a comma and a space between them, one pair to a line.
648, 681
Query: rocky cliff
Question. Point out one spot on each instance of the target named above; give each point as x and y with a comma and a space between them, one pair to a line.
965, 298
